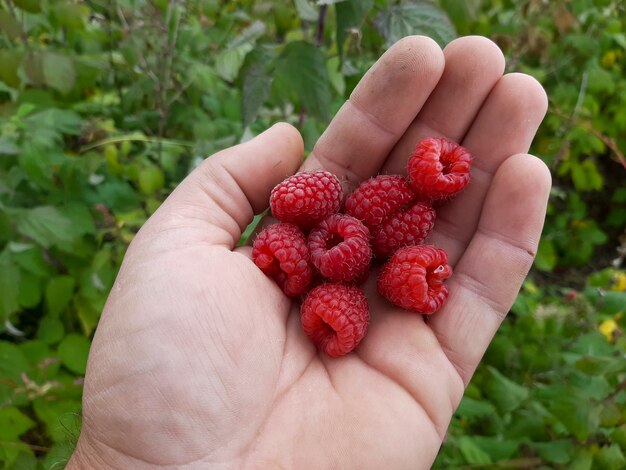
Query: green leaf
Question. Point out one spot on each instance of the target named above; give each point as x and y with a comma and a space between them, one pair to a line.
618, 435
601, 365
546, 255
30, 290
607, 302
59, 454
472, 453
248, 35
350, 15
583, 460
305, 10
496, 447
87, 314
61, 417
257, 81
10, 60
301, 77
473, 409
559, 451
32, 260
229, 62
50, 330
59, 71
9, 289
26, 460
59, 292
70, 15
611, 458
572, 408
151, 179
600, 81
74, 350
503, 392
13, 423
31, 6
407, 19
12, 363
9, 26
48, 226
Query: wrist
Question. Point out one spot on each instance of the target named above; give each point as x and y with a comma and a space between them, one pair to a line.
95, 456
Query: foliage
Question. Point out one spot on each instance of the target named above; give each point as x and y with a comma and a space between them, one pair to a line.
106, 105
552, 388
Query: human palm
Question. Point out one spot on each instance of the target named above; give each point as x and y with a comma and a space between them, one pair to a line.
199, 360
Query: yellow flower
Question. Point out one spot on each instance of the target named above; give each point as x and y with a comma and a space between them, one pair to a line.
608, 328
619, 282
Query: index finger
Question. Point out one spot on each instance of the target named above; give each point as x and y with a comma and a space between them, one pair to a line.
382, 106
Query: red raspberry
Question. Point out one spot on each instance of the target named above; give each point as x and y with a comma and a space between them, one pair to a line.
406, 227
387, 206
281, 252
307, 198
413, 278
439, 168
377, 198
335, 317
340, 248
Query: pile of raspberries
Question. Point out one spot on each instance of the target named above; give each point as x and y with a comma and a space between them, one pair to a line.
322, 255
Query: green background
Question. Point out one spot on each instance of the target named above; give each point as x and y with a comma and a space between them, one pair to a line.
106, 105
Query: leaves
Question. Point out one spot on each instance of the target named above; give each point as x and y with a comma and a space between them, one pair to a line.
301, 77
9, 289
73, 351
59, 292
257, 81
407, 19
350, 14
59, 72
13, 423
503, 392
46, 225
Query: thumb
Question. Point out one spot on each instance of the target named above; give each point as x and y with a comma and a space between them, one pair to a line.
219, 198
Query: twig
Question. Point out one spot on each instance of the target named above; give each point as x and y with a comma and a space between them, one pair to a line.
321, 22
109, 26
608, 141
23, 35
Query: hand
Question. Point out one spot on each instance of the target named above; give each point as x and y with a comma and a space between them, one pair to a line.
199, 360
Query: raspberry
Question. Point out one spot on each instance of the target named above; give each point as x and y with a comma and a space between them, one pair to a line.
307, 198
340, 248
386, 205
406, 227
335, 317
377, 198
438, 168
413, 278
281, 252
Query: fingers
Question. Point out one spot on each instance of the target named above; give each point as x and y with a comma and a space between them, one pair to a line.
488, 276
219, 198
473, 65
382, 106
505, 125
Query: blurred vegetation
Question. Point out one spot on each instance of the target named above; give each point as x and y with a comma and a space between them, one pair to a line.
106, 105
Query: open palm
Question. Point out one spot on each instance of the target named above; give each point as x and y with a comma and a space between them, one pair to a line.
199, 360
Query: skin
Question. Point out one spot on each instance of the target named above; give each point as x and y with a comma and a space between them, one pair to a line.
199, 360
